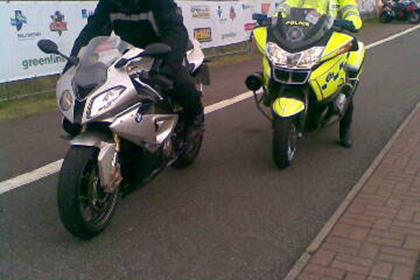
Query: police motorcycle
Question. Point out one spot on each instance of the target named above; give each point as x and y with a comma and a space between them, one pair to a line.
311, 69
125, 127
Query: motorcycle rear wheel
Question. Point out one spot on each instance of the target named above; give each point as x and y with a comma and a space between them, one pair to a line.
85, 208
190, 153
413, 18
284, 142
385, 18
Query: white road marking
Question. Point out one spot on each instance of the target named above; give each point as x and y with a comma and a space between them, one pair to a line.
30, 177
227, 102
393, 37
54, 167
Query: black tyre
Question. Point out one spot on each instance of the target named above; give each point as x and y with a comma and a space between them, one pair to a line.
85, 208
284, 142
384, 18
413, 18
191, 150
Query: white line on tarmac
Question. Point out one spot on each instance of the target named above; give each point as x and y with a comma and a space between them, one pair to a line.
30, 177
227, 102
54, 167
393, 37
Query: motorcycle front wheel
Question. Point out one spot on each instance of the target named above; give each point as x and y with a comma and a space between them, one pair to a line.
385, 18
85, 208
413, 18
284, 142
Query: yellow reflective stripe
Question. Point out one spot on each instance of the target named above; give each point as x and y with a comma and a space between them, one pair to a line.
357, 21
260, 35
351, 13
349, 10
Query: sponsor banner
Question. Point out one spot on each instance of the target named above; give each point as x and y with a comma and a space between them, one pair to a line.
367, 7
24, 23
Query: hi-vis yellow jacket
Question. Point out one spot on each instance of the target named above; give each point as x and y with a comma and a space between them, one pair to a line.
345, 9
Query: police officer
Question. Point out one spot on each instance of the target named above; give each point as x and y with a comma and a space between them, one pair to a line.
140, 23
348, 16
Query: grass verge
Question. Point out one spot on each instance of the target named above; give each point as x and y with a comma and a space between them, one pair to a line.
26, 107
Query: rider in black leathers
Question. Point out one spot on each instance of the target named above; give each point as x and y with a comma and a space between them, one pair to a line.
140, 23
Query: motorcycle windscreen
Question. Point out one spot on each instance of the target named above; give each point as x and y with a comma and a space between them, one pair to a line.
94, 61
300, 29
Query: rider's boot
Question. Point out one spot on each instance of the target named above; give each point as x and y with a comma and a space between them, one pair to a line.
346, 140
194, 127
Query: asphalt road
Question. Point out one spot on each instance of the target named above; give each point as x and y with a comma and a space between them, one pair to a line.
233, 215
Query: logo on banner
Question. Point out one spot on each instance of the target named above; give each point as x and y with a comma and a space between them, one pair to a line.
200, 12
265, 8
58, 24
19, 20
86, 13
229, 35
221, 15
40, 61
246, 7
232, 13
203, 35
249, 27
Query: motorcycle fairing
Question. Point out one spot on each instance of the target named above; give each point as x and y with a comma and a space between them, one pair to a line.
335, 45
329, 77
127, 98
356, 59
286, 107
143, 129
260, 35
65, 84
331, 74
267, 71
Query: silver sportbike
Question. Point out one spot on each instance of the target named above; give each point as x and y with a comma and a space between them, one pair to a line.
124, 126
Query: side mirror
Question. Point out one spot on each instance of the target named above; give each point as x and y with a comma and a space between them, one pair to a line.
156, 49
48, 46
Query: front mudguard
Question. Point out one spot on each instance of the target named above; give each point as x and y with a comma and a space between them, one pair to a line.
107, 150
285, 107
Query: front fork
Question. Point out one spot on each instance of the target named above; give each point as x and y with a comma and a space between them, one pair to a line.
109, 164
116, 178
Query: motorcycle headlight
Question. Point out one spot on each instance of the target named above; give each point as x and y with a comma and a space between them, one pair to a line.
305, 59
103, 101
310, 57
66, 100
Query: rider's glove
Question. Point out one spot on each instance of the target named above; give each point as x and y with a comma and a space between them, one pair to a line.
345, 24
